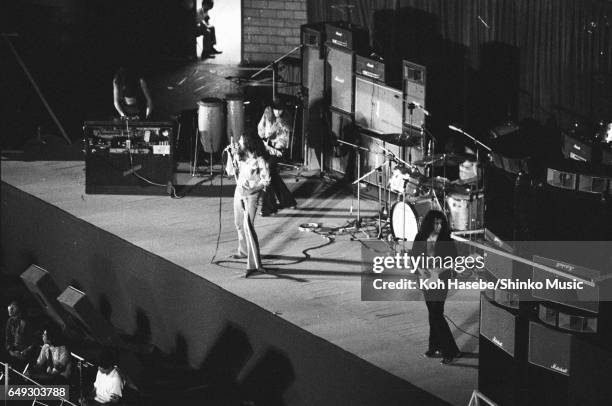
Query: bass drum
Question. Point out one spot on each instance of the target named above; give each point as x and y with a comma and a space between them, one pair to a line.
406, 217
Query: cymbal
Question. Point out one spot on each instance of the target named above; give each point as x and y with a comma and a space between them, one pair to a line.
400, 139
438, 182
441, 160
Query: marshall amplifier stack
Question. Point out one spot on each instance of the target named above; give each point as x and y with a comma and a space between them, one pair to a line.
348, 87
414, 81
128, 157
547, 346
313, 89
371, 67
343, 41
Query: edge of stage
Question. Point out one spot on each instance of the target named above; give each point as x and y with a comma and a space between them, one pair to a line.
147, 259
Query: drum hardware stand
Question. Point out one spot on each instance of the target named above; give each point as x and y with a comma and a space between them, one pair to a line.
194, 170
391, 157
380, 208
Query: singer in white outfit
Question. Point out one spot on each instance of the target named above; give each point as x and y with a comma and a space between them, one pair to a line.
251, 180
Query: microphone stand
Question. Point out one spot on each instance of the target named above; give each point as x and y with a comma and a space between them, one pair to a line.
377, 168
26, 71
274, 66
358, 150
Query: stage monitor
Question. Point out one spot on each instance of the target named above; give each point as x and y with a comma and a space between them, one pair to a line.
378, 107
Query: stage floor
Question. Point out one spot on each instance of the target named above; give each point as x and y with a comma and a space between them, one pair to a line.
314, 282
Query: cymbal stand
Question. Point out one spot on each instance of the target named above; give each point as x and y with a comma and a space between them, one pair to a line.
358, 150
379, 180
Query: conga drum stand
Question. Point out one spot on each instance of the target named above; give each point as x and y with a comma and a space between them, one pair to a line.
210, 130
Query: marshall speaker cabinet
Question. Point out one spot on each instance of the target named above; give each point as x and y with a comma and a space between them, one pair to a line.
133, 157
342, 44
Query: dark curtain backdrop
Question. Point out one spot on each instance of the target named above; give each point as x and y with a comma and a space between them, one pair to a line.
565, 45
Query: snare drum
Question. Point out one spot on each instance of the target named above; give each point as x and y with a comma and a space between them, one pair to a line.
465, 211
406, 217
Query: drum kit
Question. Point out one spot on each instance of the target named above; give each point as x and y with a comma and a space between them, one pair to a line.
414, 191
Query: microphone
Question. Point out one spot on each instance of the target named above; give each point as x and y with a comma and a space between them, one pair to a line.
420, 107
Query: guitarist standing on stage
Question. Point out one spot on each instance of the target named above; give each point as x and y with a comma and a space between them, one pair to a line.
433, 240
273, 128
252, 177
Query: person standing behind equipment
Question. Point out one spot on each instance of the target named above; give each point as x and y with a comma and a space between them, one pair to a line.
131, 94
252, 177
274, 130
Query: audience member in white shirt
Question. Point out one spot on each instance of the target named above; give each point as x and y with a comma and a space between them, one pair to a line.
108, 386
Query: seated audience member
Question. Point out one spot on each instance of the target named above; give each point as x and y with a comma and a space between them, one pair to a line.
18, 342
54, 364
108, 386
206, 30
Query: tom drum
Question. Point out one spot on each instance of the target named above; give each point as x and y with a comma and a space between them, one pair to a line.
465, 211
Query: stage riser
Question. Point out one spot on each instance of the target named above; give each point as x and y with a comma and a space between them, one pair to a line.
183, 313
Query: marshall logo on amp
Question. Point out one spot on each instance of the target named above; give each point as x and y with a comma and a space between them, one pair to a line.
557, 368
497, 342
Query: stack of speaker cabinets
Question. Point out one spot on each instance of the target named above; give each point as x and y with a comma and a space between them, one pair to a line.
313, 89
343, 41
546, 346
378, 115
414, 79
570, 345
503, 334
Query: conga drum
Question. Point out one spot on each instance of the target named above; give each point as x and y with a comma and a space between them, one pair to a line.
235, 116
210, 124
